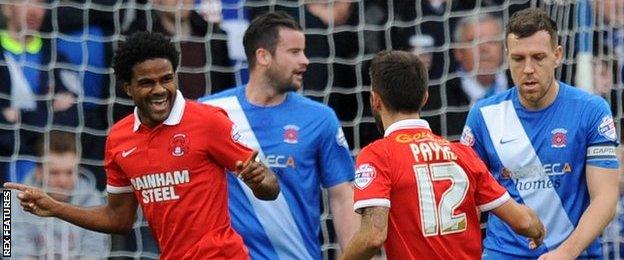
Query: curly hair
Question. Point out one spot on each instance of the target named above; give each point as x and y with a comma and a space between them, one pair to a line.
139, 47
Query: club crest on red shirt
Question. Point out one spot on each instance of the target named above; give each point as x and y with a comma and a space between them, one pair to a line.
559, 138
178, 145
291, 134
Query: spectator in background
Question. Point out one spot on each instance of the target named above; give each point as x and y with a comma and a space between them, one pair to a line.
424, 17
480, 73
480, 58
84, 31
204, 64
26, 80
421, 46
610, 19
605, 80
60, 176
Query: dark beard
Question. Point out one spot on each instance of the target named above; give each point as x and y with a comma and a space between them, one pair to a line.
281, 87
378, 122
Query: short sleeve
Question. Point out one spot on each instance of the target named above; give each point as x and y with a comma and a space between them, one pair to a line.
226, 145
489, 194
335, 159
116, 180
601, 137
372, 184
471, 133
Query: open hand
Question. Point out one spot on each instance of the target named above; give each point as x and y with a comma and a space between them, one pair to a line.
33, 199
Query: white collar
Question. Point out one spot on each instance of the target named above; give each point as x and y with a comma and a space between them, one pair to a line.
476, 91
175, 116
406, 124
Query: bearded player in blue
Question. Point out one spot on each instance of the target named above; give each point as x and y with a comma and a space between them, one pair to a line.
550, 144
300, 139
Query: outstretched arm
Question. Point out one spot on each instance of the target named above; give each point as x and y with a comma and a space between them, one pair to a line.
371, 236
116, 216
260, 179
522, 220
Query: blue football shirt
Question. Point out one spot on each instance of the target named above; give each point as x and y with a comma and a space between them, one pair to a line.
303, 143
540, 157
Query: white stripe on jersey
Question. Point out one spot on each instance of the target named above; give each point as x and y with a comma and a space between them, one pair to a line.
516, 153
284, 235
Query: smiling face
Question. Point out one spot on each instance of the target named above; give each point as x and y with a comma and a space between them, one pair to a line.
288, 62
153, 89
532, 62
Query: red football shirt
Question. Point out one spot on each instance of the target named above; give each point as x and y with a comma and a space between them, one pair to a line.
434, 189
177, 173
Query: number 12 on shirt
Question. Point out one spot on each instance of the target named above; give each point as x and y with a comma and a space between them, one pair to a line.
440, 216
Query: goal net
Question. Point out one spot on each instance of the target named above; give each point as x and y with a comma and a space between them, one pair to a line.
341, 39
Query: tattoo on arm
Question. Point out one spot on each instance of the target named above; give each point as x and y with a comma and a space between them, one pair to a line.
375, 218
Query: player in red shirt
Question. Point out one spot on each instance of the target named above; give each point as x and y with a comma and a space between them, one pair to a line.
420, 195
170, 156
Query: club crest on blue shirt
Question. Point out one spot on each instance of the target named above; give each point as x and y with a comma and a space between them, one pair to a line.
178, 145
559, 138
364, 175
291, 134
607, 128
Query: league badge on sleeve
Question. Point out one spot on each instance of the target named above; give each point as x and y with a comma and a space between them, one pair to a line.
364, 175
340, 138
467, 138
607, 128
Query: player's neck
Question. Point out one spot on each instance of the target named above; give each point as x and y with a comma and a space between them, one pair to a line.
261, 93
391, 118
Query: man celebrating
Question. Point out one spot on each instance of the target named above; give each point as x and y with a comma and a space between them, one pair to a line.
301, 140
551, 145
170, 156
419, 194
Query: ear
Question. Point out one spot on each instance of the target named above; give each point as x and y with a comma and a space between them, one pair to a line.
263, 57
126, 88
425, 99
558, 55
375, 101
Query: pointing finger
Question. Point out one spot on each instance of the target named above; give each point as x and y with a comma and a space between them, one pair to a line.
15, 186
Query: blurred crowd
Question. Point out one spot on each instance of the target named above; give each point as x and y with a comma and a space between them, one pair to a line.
58, 96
